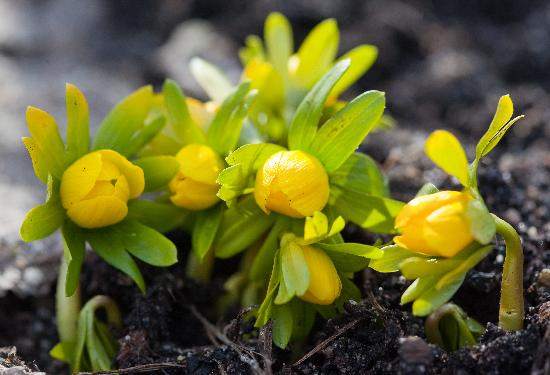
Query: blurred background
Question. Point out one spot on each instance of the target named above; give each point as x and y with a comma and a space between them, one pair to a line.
443, 64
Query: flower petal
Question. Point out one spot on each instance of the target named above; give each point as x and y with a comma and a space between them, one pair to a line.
133, 173
200, 163
98, 212
193, 195
79, 179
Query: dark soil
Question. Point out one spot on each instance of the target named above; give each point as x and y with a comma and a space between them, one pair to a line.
442, 64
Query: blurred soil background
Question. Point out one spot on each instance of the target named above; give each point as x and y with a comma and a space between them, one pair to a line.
442, 64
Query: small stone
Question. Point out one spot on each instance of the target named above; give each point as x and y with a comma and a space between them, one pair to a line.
544, 278
414, 350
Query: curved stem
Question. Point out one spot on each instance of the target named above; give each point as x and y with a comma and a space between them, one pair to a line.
511, 312
67, 308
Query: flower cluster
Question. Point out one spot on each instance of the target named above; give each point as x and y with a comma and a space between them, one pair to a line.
269, 169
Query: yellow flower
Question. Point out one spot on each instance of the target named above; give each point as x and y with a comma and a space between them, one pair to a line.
95, 189
324, 283
292, 183
266, 80
194, 187
435, 224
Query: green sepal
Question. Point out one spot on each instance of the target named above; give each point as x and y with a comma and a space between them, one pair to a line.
295, 271
361, 57
482, 224
306, 119
391, 259
107, 243
224, 131
279, 41
162, 217
426, 189
178, 114
205, 230
243, 164
125, 121
158, 170
241, 226
467, 264
78, 129
74, 248
340, 135
153, 125
43, 220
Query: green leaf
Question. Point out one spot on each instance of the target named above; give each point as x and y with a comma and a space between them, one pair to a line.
482, 224
107, 243
43, 220
499, 126
362, 57
205, 230
282, 325
306, 119
315, 228
445, 150
294, 268
417, 288
241, 226
176, 105
162, 217
426, 189
47, 141
358, 249
432, 299
223, 133
211, 79
58, 353
153, 125
263, 261
416, 266
303, 318
316, 54
264, 312
78, 131
284, 294
360, 174
74, 248
279, 41
345, 262
158, 170
374, 213
391, 259
340, 136
127, 118
146, 244
243, 164
459, 272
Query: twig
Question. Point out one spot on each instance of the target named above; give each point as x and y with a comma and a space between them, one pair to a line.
325, 343
139, 368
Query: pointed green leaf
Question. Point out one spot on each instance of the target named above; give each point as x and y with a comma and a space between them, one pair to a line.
46, 138
43, 220
146, 244
263, 261
107, 243
361, 174
390, 260
75, 249
427, 188
264, 312
316, 54
346, 262
205, 230
162, 217
279, 41
153, 125
466, 265
78, 131
178, 114
361, 250
158, 171
117, 130
241, 226
416, 266
306, 119
417, 288
340, 136
362, 58
223, 133
446, 151
482, 224
282, 325
432, 299
211, 79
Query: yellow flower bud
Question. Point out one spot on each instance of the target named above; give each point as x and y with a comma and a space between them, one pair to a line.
194, 187
435, 224
292, 183
324, 283
95, 189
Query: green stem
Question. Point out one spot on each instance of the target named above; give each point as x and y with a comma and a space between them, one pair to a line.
67, 308
200, 271
110, 307
511, 312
